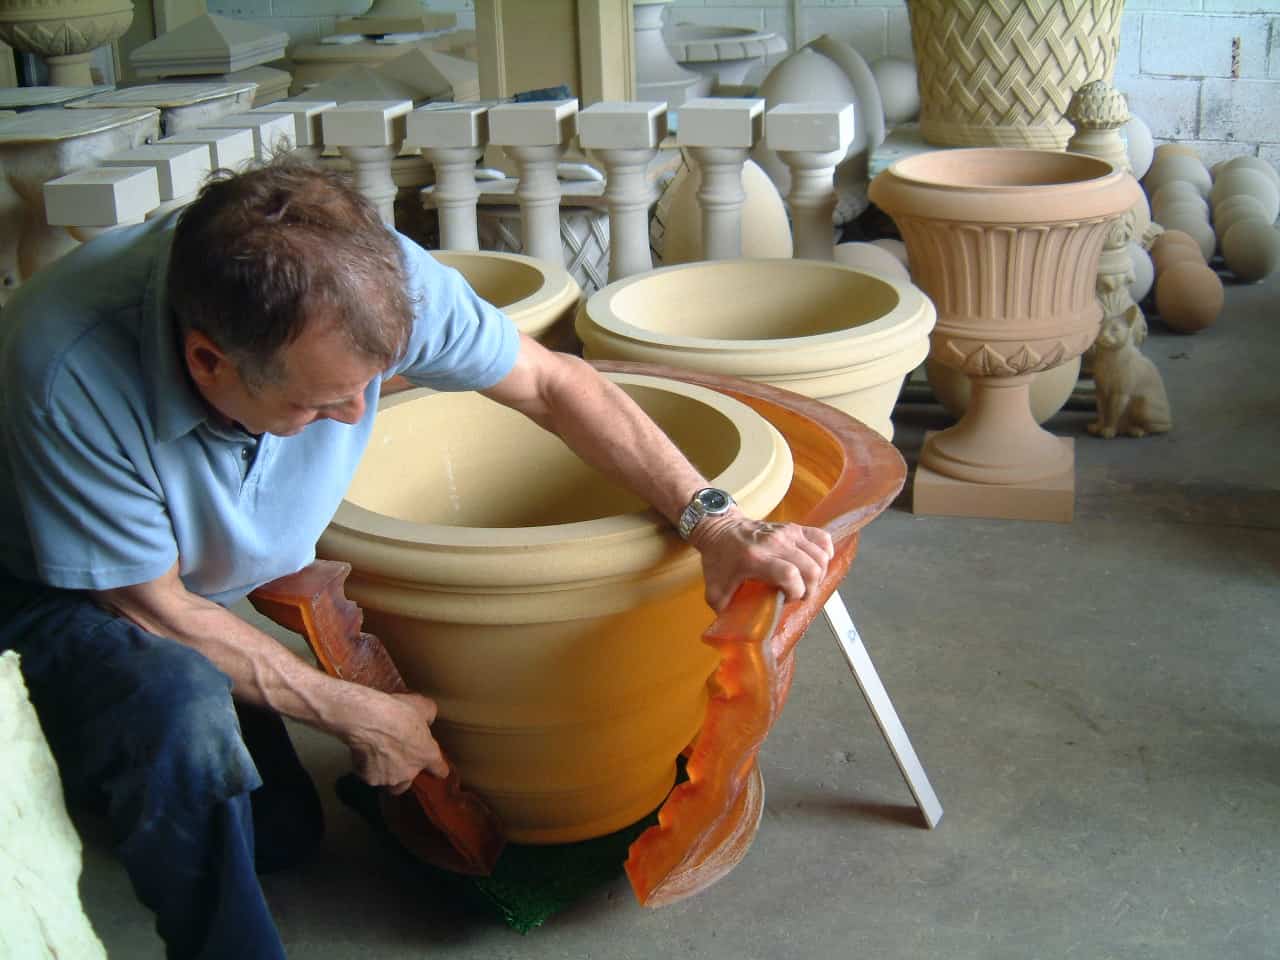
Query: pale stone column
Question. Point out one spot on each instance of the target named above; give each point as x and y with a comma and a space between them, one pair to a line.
181, 168
535, 135
453, 139
92, 201
625, 138
811, 138
719, 134
368, 133
308, 137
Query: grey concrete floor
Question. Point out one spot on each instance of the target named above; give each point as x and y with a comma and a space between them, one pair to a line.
1095, 702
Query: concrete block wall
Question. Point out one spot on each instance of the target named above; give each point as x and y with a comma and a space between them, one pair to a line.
1205, 72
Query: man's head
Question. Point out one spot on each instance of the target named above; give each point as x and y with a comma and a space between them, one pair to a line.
288, 290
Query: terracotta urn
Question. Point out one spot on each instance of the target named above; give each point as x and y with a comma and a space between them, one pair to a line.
821, 329
1002, 72
1006, 243
554, 619
540, 297
64, 32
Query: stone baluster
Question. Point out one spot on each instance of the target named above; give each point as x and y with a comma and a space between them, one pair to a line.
453, 139
369, 133
90, 201
811, 138
180, 168
535, 135
308, 138
272, 132
228, 149
625, 138
719, 133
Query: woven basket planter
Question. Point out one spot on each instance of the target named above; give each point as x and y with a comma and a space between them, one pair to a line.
1001, 72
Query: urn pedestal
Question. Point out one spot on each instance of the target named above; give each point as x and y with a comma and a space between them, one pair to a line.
1006, 243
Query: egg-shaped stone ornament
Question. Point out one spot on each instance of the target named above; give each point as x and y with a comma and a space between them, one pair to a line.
1252, 250
1189, 297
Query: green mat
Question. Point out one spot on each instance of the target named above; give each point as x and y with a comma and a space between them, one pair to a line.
529, 883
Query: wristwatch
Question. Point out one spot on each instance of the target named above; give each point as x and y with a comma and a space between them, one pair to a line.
707, 502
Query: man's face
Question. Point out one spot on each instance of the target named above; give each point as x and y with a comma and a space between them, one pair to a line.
324, 379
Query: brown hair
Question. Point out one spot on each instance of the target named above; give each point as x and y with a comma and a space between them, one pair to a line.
258, 252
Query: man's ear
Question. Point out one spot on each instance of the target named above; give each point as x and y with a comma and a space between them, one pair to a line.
208, 365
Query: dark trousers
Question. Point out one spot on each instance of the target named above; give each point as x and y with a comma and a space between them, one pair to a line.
202, 793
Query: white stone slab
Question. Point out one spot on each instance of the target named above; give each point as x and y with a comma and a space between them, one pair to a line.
366, 123
622, 125
817, 127
46, 125
720, 122
231, 149
272, 132
306, 118
540, 123
101, 197
26, 98
180, 167
448, 125
169, 95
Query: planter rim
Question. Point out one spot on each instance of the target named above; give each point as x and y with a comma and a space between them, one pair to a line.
556, 280
601, 537
910, 187
912, 308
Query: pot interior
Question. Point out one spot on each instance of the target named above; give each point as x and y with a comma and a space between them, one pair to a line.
497, 280
459, 459
996, 167
753, 300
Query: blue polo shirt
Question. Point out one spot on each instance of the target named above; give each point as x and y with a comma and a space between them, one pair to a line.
110, 465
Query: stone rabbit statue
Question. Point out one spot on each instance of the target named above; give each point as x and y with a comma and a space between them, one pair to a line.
1130, 392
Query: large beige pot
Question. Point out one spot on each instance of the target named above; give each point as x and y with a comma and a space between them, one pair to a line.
1002, 72
553, 618
64, 32
1006, 243
540, 297
820, 329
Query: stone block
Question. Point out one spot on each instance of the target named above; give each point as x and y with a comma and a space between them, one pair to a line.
621, 125
1170, 107
366, 123
101, 197
536, 124
447, 125
720, 122
813, 127
307, 131
180, 167
231, 149
1189, 45
1239, 109
272, 132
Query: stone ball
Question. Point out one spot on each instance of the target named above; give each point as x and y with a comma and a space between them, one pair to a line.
1234, 209
1144, 272
1050, 390
1197, 226
1243, 181
1252, 250
1174, 190
1177, 207
1174, 150
1178, 166
871, 259
1174, 246
899, 90
1139, 145
1189, 297
1251, 163
766, 231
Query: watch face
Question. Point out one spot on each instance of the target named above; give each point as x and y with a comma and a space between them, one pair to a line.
714, 501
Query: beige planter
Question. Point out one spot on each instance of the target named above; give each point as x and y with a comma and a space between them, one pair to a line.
1006, 243
555, 621
64, 32
822, 330
1002, 72
540, 297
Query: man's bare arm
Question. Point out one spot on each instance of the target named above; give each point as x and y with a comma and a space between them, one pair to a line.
388, 734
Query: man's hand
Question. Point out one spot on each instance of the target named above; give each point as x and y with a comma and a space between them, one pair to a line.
784, 555
393, 741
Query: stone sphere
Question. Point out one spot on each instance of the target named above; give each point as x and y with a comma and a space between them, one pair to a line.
1139, 145
1251, 163
1174, 190
1197, 226
871, 259
1243, 181
899, 91
1234, 209
1252, 250
1174, 150
1144, 272
1189, 297
1177, 166
1174, 246
1177, 207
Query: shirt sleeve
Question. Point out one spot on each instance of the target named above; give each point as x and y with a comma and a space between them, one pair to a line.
94, 522
459, 341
